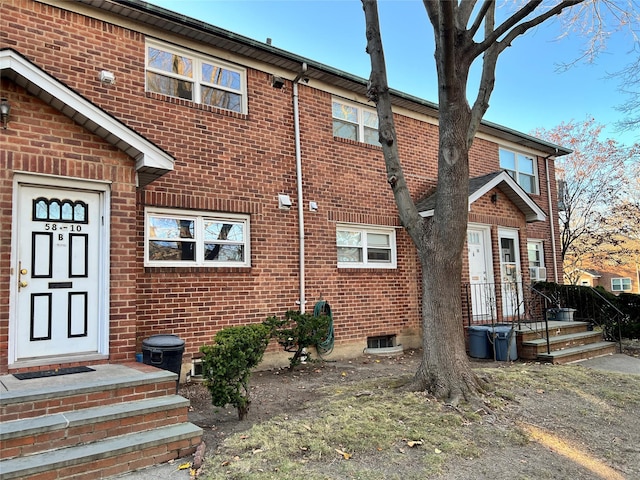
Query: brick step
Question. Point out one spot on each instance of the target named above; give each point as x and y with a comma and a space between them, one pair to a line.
108, 384
531, 349
536, 330
106, 457
581, 352
59, 430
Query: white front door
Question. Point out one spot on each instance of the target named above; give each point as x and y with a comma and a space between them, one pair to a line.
512, 301
482, 289
59, 271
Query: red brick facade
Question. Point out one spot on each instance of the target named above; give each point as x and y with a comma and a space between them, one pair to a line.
225, 162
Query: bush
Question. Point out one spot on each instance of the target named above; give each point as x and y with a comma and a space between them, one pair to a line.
297, 332
227, 364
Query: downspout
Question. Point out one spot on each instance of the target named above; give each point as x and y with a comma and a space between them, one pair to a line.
296, 124
552, 220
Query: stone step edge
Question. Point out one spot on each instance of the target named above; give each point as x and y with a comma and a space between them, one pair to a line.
562, 338
74, 418
101, 385
576, 350
66, 457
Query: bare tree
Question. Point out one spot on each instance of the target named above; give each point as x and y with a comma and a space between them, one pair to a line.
465, 32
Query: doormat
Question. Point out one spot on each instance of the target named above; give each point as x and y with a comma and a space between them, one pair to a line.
52, 373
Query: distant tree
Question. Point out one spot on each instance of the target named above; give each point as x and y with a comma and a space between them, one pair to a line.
592, 181
465, 33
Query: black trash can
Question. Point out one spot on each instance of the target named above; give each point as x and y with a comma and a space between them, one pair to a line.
165, 352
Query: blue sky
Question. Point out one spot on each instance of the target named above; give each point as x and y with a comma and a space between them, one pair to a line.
530, 91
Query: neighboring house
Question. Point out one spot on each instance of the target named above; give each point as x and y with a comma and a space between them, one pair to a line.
618, 279
162, 175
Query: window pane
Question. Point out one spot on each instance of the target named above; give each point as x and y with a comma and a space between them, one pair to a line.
170, 228
379, 255
371, 137
169, 86
525, 164
221, 99
527, 182
377, 240
169, 62
345, 130
233, 232
349, 254
171, 251
370, 119
346, 238
507, 160
220, 76
345, 112
223, 253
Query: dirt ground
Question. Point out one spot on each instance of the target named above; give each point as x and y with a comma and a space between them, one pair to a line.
613, 440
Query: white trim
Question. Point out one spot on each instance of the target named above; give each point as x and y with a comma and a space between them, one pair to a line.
21, 179
365, 229
359, 123
198, 216
517, 171
150, 159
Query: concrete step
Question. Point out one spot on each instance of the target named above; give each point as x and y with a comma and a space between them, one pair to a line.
579, 353
535, 330
59, 430
107, 457
531, 349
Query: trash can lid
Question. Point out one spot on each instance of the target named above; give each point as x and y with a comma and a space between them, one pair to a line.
164, 340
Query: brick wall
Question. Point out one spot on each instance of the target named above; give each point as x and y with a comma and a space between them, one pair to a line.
225, 162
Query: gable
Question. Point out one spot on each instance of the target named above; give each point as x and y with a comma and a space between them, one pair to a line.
151, 162
479, 186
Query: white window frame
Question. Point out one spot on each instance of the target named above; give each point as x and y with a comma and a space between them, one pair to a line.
359, 123
622, 281
515, 174
364, 230
197, 59
540, 248
198, 218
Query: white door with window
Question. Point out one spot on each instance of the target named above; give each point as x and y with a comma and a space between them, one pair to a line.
60, 271
512, 301
482, 288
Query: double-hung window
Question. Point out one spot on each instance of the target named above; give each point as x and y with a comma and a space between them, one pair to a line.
621, 284
535, 251
354, 122
522, 168
366, 246
185, 74
184, 239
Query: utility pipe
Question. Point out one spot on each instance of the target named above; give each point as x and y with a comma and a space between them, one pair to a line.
552, 220
296, 125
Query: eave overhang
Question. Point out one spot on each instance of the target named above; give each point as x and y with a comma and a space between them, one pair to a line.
479, 186
151, 161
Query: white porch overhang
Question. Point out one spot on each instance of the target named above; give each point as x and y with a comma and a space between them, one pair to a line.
151, 161
479, 186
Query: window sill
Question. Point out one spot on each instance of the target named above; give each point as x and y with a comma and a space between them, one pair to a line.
196, 106
356, 143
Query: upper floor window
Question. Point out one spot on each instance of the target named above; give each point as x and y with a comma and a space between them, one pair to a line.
185, 239
355, 122
620, 284
186, 74
522, 168
364, 246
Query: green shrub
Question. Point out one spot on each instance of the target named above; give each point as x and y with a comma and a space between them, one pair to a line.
227, 364
297, 332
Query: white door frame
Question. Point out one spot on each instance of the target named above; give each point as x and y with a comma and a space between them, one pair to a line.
514, 273
104, 190
486, 297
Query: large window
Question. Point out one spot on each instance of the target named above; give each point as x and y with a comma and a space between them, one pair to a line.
179, 238
355, 122
620, 284
535, 252
185, 74
522, 168
364, 246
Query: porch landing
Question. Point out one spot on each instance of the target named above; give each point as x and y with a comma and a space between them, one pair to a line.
97, 424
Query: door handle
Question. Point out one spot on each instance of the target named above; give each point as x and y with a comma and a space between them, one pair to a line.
21, 271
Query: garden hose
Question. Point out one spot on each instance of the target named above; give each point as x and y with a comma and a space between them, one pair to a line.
325, 346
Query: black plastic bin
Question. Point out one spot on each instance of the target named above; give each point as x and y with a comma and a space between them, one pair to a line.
479, 343
165, 352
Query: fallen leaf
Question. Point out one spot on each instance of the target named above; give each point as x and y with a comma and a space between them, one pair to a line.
345, 455
413, 443
437, 450
257, 450
184, 466
539, 391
